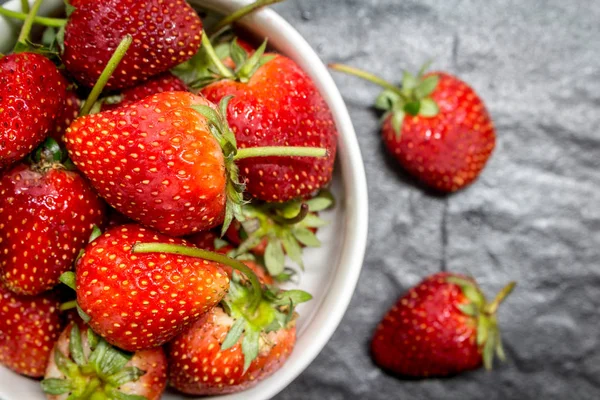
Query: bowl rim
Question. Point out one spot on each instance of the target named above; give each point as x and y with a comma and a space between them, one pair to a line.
332, 308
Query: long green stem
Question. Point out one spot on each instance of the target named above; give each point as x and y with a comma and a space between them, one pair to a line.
206, 255
223, 70
506, 290
283, 151
25, 6
365, 75
53, 22
112, 64
24, 35
242, 12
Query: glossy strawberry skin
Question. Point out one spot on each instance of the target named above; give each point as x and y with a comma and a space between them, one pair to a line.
151, 385
46, 219
67, 115
155, 161
29, 326
32, 96
426, 334
166, 82
140, 301
279, 106
165, 34
448, 151
199, 367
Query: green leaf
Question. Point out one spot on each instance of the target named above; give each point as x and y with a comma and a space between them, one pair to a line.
252, 64
96, 233
387, 100
294, 296
488, 354
69, 8
238, 54
291, 209
429, 108
234, 334
427, 86
76, 347
63, 364
409, 81
250, 347
469, 309
83, 315
126, 375
482, 331
55, 386
412, 108
265, 59
306, 237
397, 121
93, 339
210, 114
313, 221
499, 347
424, 68
292, 249
274, 257
113, 361
320, 203
68, 278
49, 37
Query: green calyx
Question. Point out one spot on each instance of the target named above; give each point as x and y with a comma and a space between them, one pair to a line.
484, 313
49, 155
93, 370
286, 228
413, 97
274, 312
29, 17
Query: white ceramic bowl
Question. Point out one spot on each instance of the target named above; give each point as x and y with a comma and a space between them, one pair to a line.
331, 271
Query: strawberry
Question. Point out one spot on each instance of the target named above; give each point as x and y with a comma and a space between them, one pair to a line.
167, 161
33, 95
29, 326
84, 366
436, 126
139, 301
47, 213
235, 346
166, 82
441, 327
165, 33
67, 115
275, 103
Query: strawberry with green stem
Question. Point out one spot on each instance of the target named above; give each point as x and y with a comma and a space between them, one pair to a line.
33, 95
275, 103
435, 125
48, 211
84, 366
165, 34
237, 344
29, 326
441, 327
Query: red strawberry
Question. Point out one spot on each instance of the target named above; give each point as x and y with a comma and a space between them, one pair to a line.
85, 366
138, 301
441, 327
436, 126
47, 214
226, 352
200, 367
166, 161
68, 114
275, 103
29, 326
166, 82
33, 95
165, 33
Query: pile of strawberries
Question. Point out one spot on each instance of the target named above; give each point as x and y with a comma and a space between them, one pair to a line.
143, 230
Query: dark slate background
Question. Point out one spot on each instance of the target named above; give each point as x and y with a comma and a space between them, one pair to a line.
533, 216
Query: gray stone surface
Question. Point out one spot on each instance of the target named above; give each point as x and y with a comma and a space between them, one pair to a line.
533, 216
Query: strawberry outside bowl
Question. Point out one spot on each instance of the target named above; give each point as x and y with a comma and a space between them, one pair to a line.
332, 270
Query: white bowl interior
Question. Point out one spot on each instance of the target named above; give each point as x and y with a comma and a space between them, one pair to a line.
332, 270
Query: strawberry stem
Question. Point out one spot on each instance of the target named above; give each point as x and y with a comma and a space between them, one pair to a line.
492, 307
242, 12
112, 64
206, 255
68, 305
25, 6
52, 22
214, 58
24, 35
366, 76
282, 151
